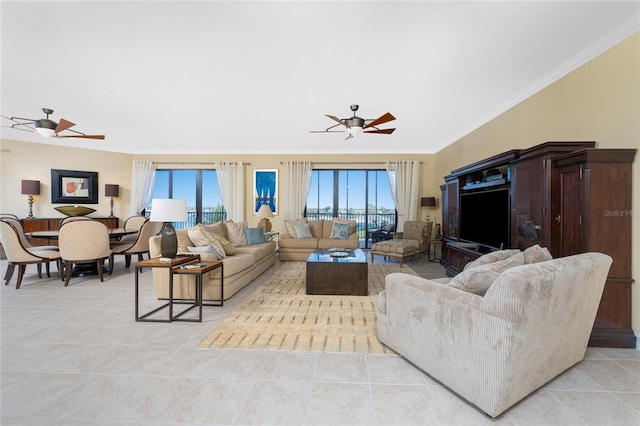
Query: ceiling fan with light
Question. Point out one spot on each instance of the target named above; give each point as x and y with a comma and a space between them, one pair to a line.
46, 127
356, 125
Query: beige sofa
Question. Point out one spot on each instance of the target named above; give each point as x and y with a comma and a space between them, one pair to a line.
293, 248
239, 270
532, 324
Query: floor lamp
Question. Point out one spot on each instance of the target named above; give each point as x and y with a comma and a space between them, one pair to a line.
168, 211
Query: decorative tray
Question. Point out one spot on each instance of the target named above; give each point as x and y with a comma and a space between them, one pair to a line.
75, 210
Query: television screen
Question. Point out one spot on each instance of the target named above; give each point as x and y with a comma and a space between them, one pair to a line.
484, 218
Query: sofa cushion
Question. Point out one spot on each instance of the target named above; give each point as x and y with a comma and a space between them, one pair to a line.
290, 226
255, 235
302, 231
478, 279
197, 237
235, 232
237, 264
316, 227
217, 228
257, 251
299, 243
492, 257
535, 254
340, 230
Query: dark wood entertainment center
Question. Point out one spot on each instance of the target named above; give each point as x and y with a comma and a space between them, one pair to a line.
567, 196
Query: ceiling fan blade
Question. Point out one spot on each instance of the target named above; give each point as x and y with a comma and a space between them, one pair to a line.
82, 136
382, 131
18, 125
326, 131
380, 120
333, 117
64, 125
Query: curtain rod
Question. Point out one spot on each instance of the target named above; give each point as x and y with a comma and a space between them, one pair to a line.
347, 162
190, 162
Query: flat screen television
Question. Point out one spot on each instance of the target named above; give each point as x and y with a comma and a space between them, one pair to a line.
484, 217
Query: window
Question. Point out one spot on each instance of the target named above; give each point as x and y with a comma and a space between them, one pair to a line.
360, 195
198, 187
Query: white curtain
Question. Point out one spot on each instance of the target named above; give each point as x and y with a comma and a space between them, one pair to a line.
404, 178
231, 186
297, 178
143, 179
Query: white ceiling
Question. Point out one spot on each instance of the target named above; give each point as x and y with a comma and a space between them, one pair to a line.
256, 77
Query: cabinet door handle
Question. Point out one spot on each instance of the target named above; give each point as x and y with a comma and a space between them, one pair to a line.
558, 218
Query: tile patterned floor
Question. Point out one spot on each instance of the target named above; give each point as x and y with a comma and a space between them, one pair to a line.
75, 356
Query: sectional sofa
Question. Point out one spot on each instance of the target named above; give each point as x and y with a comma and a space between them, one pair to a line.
248, 262
323, 235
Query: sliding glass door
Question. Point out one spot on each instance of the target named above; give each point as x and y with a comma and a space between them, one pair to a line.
200, 189
360, 195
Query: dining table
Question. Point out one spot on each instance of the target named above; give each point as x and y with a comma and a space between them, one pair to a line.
82, 269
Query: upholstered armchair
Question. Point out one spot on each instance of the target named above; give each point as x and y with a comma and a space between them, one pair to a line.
533, 323
419, 232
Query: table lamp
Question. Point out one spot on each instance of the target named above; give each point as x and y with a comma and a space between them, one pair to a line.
168, 211
31, 188
264, 212
111, 191
428, 202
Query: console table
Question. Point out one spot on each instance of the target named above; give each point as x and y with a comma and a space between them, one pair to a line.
53, 224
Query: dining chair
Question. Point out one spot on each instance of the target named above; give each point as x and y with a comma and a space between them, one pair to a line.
20, 256
84, 241
72, 219
132, 223
140, 246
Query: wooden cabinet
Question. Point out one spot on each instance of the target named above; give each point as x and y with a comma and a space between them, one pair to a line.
566, 196
592, 211
531, 193
52, 224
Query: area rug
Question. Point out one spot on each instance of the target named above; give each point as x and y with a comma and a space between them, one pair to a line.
281, 316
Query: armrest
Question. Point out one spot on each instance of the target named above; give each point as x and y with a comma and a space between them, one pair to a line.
394, 281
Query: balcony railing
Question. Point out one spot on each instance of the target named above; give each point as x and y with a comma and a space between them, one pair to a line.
364, 222
208, 218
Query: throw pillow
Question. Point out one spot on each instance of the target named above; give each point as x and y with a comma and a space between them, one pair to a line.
255, 235
303, 231
492, 257
289, 224
235, 232
535, 254
340, 231
212, 241
197, 237
205, 249
351, 223
227, 246
477, 280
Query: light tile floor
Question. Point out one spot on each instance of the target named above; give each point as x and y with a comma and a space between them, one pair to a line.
75, 356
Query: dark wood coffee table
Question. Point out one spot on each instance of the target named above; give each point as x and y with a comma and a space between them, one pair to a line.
337, 275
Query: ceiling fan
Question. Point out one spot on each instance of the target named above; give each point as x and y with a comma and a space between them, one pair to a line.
356, 125
48, 128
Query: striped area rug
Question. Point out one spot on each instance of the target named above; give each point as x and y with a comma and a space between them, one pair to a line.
281, 316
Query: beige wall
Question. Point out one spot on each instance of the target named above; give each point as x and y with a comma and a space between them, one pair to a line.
32, 161
599, 101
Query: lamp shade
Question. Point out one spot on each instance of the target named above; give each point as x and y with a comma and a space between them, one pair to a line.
168, 210
31, 187
111, 190
428, 202
264, 211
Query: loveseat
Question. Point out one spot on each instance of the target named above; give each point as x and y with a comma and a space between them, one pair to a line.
300, 238
248, 262
495, 344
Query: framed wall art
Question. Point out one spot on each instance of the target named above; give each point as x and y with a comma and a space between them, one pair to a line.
74, 187
265, 189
